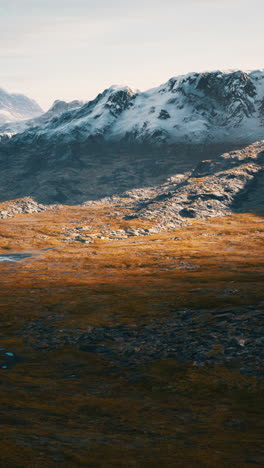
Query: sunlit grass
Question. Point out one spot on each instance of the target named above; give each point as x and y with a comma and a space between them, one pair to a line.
171, 415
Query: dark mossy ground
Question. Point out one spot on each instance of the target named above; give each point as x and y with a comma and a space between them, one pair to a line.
65, 406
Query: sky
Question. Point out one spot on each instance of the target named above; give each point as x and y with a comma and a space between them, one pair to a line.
74, 49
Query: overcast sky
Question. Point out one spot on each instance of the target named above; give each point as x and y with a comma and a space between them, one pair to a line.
73, 49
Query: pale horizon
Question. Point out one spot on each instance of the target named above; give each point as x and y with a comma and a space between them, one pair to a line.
73, 50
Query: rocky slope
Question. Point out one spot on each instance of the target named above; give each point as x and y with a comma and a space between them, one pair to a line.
16, 107
73, 175
232, 182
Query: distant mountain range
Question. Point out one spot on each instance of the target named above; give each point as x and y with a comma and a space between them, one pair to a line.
58, 108
16, 107
193, 108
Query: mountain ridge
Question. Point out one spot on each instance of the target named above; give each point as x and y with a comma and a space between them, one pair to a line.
57, 108
193, 108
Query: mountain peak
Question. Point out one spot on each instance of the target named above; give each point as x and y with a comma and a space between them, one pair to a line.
62, 106
15, 107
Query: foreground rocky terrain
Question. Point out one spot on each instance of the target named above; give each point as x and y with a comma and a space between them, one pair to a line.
131, 351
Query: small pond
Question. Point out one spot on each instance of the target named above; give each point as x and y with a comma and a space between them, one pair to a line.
15, 257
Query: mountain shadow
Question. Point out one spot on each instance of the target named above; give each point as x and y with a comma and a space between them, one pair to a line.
75, 173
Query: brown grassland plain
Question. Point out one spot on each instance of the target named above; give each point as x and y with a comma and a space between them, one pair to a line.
175, 415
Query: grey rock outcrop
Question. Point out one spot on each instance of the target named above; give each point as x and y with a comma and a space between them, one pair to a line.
25, 205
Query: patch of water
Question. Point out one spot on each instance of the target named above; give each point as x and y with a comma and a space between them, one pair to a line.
14, 257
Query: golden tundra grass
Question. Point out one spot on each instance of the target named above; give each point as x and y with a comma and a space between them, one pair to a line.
175, 416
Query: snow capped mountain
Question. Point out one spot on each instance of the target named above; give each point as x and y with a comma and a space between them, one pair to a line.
94, 119
14, 107
194, 108
58, 108
198, 108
